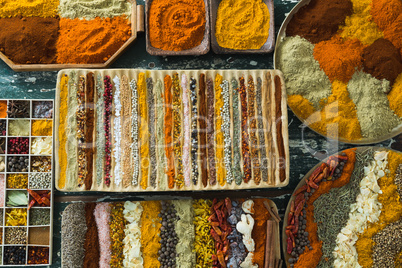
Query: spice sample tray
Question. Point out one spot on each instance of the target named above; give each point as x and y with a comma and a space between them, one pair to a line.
267, 47
137, 130
26, 185
192, 231
61, 31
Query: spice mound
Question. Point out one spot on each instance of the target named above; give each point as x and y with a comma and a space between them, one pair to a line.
176, 25
360, 229
242, 24
342, 65
69, 32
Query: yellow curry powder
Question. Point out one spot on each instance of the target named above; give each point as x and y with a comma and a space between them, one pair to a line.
150, 225
391, 211
360, 24
242, 24
221, 170
337, 119
62, 134
143, 130
395, 96
28, 8
43, 127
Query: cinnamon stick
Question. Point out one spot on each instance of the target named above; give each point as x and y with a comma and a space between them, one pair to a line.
273, 213
270, 245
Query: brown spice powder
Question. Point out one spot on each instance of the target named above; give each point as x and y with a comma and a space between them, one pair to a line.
210, 131
203, 131
91, 244
279, 137
89, 128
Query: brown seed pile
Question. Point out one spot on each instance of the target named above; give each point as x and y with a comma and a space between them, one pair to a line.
15, 236
388, 243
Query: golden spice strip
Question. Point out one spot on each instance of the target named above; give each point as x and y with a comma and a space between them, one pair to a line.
144, 131
62, 134
219, 139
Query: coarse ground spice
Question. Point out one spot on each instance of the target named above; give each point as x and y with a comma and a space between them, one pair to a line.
102, 218
43, 127
360, 24
259, 233
3, 109
236, 113
73, 229
29, 40
242, 24
339, 58
89, 127
391, 211
170, 168
177, 130
319, 20
93, 41
100, 130
311, 258
150, 225
210, 132
194, 131
382, 60
219, 152
253, 130
330, 221
151, 129
244, 130
143, 132
388, 243
126, 141
29, 8
117, 223
261, 130
202, 124
91, 245
176, 25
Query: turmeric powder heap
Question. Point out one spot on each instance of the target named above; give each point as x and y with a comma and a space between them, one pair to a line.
176, 25
242, 24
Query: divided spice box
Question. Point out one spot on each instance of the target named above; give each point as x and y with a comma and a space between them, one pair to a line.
175, 130
26, 195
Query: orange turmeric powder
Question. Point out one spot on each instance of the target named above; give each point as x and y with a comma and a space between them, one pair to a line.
339, 58
176, 24
91, 41
170, 172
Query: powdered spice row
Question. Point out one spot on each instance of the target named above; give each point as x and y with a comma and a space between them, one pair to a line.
137, 130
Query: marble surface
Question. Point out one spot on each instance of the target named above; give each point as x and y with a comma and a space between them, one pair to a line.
306, 147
